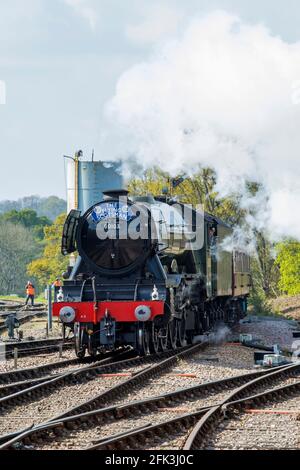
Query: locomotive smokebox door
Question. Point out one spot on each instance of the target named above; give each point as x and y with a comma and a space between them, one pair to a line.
68, 245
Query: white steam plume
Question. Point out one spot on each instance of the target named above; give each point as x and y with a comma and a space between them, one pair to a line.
225, 95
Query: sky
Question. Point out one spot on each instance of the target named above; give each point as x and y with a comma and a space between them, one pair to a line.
60, 64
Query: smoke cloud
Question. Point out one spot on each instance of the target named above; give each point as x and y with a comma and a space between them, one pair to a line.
225, 95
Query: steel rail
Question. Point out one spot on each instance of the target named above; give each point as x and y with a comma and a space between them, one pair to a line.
241, 395
84, 374
16, 387
74, 376
132, 439
32, 373
28, 348
118, 412
122, 388
10, 346
38, 377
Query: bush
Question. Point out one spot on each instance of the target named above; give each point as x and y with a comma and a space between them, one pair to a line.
288, 260
259, 305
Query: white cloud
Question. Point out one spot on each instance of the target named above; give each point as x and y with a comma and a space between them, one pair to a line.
218, 96
158, 21
86, 10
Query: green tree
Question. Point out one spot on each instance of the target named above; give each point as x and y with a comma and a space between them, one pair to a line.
52, 207
265, 271
17, 248
201, 189
52, 263
288, 260
152, 182
29, 219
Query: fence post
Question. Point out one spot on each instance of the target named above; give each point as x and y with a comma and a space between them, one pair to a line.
49, 296
2, 351
15, 358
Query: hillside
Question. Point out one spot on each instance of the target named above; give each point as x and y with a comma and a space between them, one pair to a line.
287, 306
50, 207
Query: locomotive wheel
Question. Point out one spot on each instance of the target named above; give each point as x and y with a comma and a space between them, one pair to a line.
80, 354
163, 339
91, 348
143, 340
63, 330
207, 322
154, 339
78, 335
189, 337
172, 334
181, 333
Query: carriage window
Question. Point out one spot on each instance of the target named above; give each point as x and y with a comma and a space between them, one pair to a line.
212, 235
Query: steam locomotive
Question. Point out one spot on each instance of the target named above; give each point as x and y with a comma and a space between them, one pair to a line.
151, 273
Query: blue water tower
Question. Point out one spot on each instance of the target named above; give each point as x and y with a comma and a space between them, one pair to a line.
86, 181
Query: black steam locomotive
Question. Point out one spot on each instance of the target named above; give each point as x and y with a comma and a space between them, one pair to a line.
151, 273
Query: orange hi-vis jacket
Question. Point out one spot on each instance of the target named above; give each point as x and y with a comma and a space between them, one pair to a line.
30, 290
57, 284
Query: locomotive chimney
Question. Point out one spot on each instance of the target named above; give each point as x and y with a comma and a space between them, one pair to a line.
115, 194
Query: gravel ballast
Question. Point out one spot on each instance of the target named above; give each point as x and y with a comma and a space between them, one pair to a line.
217, 361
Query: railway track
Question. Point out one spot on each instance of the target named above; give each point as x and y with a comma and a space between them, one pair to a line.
13, 306
273, 425
183, 424
19, 310
241, 398
32, 373
60, 427
10, 303
46, 385
100, 411
165, 361
17, 380
28, 348
23, 316
16, 387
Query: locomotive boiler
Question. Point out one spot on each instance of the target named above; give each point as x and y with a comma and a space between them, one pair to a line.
150, 273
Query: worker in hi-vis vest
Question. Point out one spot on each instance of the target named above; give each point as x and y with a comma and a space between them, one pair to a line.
30, 293
57, 283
